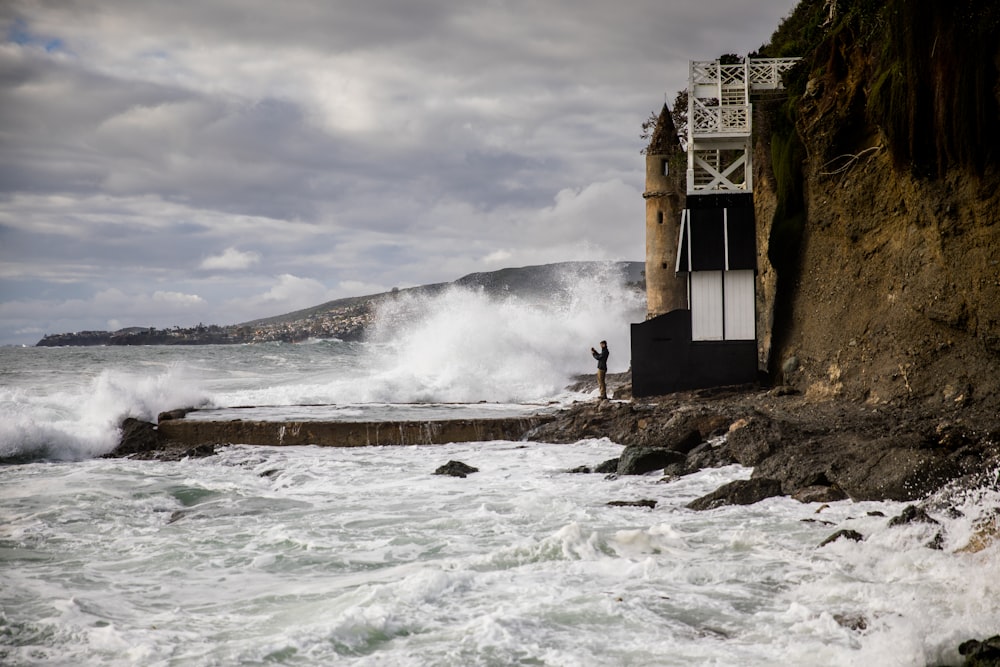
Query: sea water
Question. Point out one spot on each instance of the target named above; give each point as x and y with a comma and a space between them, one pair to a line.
322, 556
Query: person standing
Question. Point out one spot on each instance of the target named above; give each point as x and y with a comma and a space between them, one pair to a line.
602, 367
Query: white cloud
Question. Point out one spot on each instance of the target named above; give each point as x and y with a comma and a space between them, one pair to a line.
497, 257
177, 299
231, 259
292, 293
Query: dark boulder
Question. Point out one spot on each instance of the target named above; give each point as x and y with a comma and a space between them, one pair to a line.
456, 469
884, 467
177, 413
739, 492
705, 455
633, 503
609, 466
910, 514
985, 653
137, 437
753, 439
846, 534
819, 494
638, 460
680, 430
894, 469
600, 419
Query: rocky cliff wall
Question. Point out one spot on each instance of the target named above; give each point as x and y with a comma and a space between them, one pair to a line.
882, 274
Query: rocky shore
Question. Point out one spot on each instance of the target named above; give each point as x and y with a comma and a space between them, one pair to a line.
814, 451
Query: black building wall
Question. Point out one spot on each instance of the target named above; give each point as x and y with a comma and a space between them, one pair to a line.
665, 359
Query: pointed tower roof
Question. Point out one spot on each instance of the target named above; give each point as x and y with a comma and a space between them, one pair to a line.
664, 140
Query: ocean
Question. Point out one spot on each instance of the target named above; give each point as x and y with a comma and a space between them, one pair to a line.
362, 556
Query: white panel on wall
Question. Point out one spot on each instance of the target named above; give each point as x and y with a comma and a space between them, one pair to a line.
706, 305
739, 290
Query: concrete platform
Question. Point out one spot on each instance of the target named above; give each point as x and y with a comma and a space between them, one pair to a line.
339, 433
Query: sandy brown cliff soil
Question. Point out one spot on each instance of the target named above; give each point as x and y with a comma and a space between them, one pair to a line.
897, 292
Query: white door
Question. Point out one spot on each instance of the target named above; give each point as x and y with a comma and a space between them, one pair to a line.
706, 305
739, 298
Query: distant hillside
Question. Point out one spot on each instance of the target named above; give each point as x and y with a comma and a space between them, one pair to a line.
523, 281
350, 317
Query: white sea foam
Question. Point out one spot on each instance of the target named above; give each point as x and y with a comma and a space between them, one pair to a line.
80, 417
363, 557
466, 346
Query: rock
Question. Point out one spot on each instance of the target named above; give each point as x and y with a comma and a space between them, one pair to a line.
137, 437
638, 460
708, 455
178, 413
680, 431
910, 514
456, 469
753, 440
200, 451
819, 494
609, 466
855, 622
985, 533
739, 492
937, 542
985, 653
846, 534
633, 503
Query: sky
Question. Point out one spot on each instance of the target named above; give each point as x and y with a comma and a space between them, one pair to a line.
217, 161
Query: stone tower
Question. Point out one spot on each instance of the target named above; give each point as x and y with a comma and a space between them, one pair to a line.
664, 195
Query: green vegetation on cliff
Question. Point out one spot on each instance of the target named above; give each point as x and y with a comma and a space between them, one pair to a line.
930, 74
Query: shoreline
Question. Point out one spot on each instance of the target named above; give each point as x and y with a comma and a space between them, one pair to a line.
809, 448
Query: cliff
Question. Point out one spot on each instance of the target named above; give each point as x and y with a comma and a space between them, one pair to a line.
877, 198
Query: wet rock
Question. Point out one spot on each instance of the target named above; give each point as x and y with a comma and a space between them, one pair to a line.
137, 437
638, 460
739, 492
751, 440
910, 514
981, 653
819, 494
893, 468
633, 503
609, 466
200, 451
708, 455
680, 430
855, 622
178, 413
175, 452
846, 534
456, 469
985, 533
936, 543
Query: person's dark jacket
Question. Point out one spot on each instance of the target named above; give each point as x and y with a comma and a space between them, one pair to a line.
602, 359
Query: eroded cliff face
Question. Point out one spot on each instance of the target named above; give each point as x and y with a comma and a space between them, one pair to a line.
894, 291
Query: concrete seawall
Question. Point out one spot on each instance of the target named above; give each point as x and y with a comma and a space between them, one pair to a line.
347, 434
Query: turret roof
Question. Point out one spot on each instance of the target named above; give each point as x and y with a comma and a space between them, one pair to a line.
664, 140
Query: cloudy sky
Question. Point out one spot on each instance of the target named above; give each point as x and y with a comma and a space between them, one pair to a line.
170, 163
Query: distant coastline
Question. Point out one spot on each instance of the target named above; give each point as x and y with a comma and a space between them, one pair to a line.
347, 319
